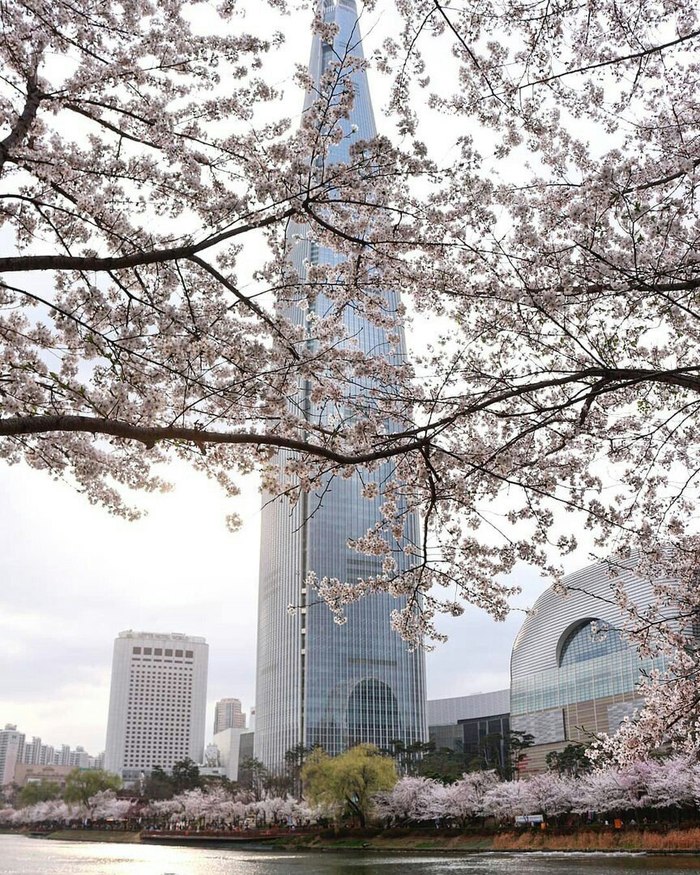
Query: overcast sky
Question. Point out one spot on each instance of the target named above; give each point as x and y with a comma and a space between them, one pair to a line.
73, 577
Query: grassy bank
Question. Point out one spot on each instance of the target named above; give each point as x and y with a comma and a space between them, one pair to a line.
676, 840
116, 837
687, 840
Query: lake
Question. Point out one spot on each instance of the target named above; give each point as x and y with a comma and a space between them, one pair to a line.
24, 856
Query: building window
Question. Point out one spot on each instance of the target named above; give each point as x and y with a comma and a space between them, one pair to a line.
590, 639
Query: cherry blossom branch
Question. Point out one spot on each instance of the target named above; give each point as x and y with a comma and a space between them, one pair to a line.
250, 304
151, 435
23, 263
620, 59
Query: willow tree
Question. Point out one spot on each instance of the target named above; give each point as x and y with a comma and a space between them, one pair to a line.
347, 784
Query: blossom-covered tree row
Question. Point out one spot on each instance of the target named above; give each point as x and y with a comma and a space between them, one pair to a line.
103, 806
672, 783
214, 808
654, 785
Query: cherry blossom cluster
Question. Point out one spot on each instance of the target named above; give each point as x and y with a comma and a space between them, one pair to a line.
646, 784
212, 807
104, 805
545, 246
218, 807
669, 783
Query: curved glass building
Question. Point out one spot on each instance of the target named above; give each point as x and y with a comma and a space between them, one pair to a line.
319, 683
572, 673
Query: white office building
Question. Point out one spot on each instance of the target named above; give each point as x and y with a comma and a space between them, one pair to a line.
11, 751
157, 703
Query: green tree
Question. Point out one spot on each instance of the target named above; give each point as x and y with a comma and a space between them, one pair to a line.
349, 781
81, 784
185, 775
39, 791
408, 757
294, 760
158, 785
253, 776
444, 764
492, 752
570, 761
518, 743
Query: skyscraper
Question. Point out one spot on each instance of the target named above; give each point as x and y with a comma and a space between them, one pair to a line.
157, 702
228, 715
319, 683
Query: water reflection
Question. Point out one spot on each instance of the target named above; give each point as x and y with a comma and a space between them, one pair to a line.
23, 856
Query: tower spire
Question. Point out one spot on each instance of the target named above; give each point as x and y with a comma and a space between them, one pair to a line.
319, 683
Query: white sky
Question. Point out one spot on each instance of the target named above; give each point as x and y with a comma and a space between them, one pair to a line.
72, 577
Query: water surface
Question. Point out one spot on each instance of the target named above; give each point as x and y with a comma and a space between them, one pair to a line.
24, 856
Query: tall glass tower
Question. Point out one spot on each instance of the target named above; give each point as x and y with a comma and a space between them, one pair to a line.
319, 683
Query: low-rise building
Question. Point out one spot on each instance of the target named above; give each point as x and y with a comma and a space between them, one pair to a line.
477, 726
27, 773
234, 746
573, 673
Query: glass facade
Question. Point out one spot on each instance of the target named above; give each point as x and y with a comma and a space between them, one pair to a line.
594, 662
319, 683
486, 739
590, 640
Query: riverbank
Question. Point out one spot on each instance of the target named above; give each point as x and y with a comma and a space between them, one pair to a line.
113, 836
673, 841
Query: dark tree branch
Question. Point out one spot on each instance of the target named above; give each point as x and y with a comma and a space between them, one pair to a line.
23, 263
151, 435
24, 121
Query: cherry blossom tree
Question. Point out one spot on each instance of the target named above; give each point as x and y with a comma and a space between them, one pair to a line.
218, 808
549, 794
672, 782
464, 800
143, 159
506, 800
576, 293
611, 789
106, 806
412, 800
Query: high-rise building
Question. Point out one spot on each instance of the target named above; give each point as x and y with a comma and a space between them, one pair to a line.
11, 750
38, 754
228, 715
20, 759
157, 702
319, 683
